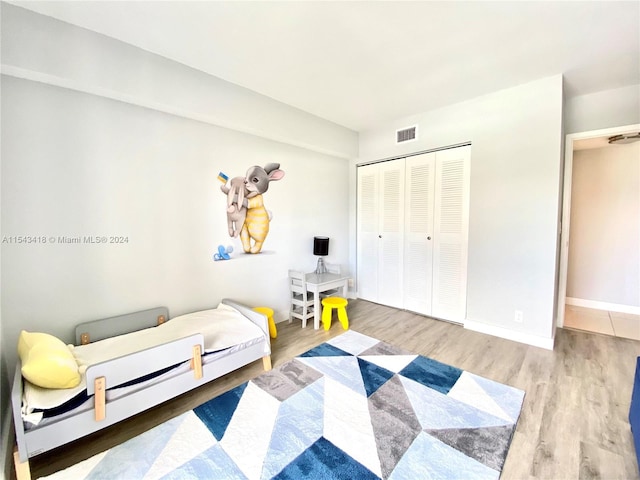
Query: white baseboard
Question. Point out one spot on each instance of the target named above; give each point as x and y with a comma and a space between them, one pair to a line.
611, 307
534, 340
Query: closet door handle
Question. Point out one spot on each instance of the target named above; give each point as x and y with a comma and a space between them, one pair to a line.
429, 238
379, 236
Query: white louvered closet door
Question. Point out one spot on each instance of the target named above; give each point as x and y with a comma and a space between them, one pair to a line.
412, 223
367, 227
390, 257
380, 228
451, 230
419, 233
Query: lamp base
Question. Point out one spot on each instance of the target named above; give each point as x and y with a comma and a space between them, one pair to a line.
321, 268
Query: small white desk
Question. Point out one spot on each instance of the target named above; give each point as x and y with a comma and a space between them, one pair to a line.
317, 283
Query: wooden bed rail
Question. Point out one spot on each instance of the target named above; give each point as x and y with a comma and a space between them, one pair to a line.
135, 365
100, 384
85, 337
104, 375
110, 327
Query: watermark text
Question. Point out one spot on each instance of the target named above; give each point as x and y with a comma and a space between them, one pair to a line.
64, 239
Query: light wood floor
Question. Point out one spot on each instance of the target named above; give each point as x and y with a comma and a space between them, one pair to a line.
574, 421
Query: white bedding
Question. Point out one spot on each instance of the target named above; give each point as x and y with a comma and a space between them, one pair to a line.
222, 328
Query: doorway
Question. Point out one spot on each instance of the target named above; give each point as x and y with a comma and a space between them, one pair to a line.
579, 272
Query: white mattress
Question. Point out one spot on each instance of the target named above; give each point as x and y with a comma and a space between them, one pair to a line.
225, 330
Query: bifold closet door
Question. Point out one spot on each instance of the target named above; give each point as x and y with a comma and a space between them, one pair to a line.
451, 232
412, 224
367, 231
435, 239
380, 232
419, 233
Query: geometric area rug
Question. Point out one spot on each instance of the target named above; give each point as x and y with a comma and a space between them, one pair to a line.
351, 408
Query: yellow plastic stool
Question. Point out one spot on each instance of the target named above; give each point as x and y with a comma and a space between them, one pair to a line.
328, 304
268, 312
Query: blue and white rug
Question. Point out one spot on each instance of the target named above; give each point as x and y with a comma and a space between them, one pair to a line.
351, 408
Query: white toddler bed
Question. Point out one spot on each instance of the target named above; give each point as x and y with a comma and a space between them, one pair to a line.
184, 353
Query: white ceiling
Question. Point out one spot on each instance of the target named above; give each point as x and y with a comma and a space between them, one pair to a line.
361, 63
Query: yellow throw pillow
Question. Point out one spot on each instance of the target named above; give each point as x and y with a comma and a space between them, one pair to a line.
46, 361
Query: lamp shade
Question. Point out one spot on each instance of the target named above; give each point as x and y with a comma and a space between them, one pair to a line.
321, 246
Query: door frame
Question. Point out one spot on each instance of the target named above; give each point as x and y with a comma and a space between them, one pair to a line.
566, 206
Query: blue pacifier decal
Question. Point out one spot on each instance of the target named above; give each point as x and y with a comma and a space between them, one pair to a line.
223, 253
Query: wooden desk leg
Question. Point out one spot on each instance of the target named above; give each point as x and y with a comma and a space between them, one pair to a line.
316, 310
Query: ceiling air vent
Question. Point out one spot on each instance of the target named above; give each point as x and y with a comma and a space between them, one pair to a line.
406, 134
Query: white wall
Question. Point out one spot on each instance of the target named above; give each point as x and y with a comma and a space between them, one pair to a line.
81, 165
5, 407
604, 247
89, 149
100, 138
605, 109
514, 206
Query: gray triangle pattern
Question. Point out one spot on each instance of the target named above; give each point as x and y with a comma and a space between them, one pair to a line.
382, 348
487, 445
287, 380
395, 424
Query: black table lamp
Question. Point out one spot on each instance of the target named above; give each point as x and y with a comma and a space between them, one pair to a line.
321, 248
